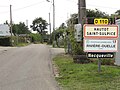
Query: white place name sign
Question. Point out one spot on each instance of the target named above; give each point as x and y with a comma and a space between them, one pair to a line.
101, 31
100, 45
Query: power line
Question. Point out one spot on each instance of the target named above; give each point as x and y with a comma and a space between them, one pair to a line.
21, 7
4, 12
102, 6
94, 5
72, 1
29, 6
4, 6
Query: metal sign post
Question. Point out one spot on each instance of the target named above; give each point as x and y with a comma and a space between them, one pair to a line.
99, 56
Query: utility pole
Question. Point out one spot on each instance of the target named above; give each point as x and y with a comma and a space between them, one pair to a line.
81, 16
49, 24
11, 24
54, 42
81, 11
53, 3
11, 19
53, 15
27, 23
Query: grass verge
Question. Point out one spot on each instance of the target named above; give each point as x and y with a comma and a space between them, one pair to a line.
22, 44
85, 76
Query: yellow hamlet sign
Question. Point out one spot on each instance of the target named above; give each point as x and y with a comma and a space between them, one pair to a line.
101, 21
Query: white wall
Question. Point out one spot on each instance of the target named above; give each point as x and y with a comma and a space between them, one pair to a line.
4, 30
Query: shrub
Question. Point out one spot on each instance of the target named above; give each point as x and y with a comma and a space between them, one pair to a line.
82, 59
107, 62
13, 41
76, 47
36, 38
5, 41
104, 61
8, 41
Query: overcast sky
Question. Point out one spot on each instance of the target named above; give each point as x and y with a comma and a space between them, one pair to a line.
30, 9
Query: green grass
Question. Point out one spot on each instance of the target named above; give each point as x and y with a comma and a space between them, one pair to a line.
85, 76
22, 44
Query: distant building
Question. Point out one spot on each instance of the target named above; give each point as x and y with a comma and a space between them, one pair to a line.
4, 30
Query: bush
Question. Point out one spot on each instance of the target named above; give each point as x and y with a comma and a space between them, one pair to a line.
81, 59
76, 47
104, 61
5, 41
107, 62
8, 41
13, 41
36, 38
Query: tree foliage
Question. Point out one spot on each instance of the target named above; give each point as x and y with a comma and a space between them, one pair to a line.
96, 13
62, 26
58, 33
72, 20
116, 15
39, 25
20, 28
117, 12
89, 14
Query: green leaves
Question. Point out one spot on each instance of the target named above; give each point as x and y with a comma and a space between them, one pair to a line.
39, 25
20, 28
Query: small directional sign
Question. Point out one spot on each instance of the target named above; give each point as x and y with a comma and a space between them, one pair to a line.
100, 55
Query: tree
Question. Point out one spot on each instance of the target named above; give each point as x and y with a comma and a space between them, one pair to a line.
62, 26
117, 12
96, 13
39, 25
116, 15
73, 20
58, 34
20, 28
91, 14
6, 22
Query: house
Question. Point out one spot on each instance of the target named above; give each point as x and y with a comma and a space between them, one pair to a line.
4, 30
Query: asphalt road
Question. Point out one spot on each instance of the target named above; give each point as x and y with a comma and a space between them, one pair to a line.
27, 68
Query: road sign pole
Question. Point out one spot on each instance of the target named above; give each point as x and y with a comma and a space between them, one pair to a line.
99, 65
